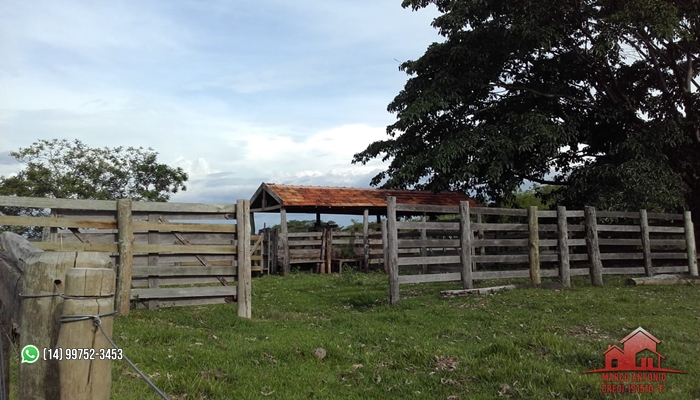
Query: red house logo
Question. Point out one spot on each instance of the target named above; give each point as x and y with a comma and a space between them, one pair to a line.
638, 354
635, 367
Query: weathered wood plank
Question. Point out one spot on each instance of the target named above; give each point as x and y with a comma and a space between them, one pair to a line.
500, 227
664, 216
617, 214
618, 228
422, 208
498, 211
415, 243
513, 258
183, 249
575, 213
126, 256
187, 292
666, 229
183, 227
111, 205
181, 270
429, 260
142, 282
284, 242
534, 245
500, 242
97, 247
317, 235
427, 225
425, 278
56, 222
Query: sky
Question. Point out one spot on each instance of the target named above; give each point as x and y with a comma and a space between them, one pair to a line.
235, 92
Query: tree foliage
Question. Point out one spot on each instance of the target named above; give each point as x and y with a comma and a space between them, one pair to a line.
72, 170
598, 97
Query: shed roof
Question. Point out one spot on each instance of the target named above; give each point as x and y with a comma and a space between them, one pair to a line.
271, 197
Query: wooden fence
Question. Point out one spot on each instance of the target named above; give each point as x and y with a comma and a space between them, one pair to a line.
491, 243
313, 248
166, 254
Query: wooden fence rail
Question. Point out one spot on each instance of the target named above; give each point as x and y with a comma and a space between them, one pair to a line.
490, 243
163, 252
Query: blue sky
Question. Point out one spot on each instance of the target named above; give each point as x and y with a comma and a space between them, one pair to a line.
235, 92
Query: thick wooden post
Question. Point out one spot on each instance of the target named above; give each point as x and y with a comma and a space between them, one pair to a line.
465, 245
126, 256
593, 246
284, 241
329, 249
44, 273
423, 249
690, 244
646, 242
86, 379
480, 235
534, 244
365, 239
392, 249
385, 244
563, 247
243, 291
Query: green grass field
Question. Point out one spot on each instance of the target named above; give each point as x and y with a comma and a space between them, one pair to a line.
526, 343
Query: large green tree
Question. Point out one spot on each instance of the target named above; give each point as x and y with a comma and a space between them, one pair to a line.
599, 98
72, 170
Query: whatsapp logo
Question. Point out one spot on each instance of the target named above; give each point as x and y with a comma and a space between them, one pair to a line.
30, 354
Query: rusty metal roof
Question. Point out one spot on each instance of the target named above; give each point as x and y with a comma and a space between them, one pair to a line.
344, 200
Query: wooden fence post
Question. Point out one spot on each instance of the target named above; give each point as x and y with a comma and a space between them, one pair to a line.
596, 269
329, 249
534, 244
44, 274
86, 379
465, 245
392, 250
385, 241
153, 260
284, 241
423, 249
365, 239
126, 256
563, 247
690, 244
243, 291
646, 242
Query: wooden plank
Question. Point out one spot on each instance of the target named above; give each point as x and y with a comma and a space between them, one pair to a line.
95, 247
563, 247
513, 258
617, 214
500, 227
427, 225
500, 242
576, 242
56, 222
575, 214
385, 251
203, 301
669, 256
664, 216
576, 228
465, 244
423, 208
186, 292
498, 211
142, 282
593, 246
668, 242
183, 249
111, 205
646, 245
690, 244
666, 229
415, 243
621, 256
618, 228
181, 270
316, 235
429, 260
243, 262
392, 250
620, 242
183, 227
304, 243
425, 278
547, 214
